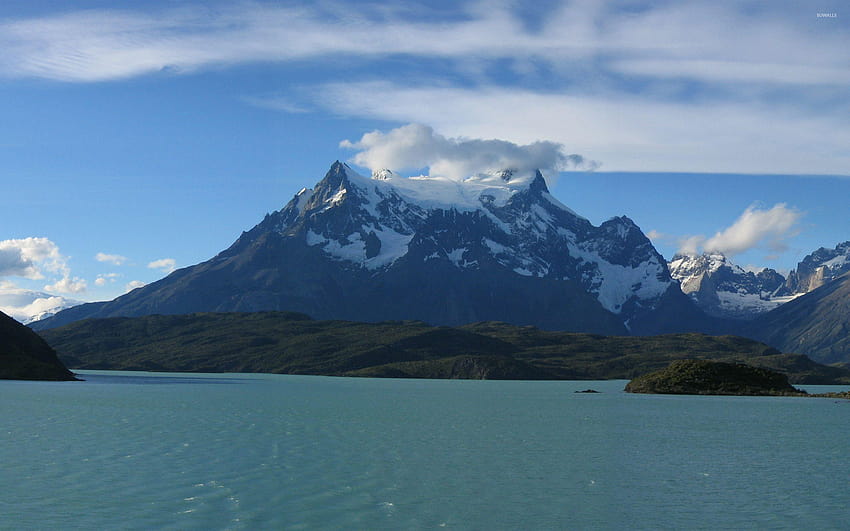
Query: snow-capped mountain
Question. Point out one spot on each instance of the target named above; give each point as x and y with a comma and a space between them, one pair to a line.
819, 268
723, 289
494, 246
26, 306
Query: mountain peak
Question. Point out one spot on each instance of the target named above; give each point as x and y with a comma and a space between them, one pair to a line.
495, 245
724, 289
382, 175
538, 183
819, 268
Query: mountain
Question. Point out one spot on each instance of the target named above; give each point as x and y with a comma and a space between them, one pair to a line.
816, 324
494, 246
25, 356
819, 268
291, 343
723, 289
28, 306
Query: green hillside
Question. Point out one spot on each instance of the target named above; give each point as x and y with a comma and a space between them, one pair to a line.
290, 343
25, 356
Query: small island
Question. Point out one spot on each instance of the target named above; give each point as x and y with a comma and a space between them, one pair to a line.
703, 377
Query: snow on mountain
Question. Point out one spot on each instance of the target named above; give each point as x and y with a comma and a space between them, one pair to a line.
724, 289
818, 268
493, 246
26, 306
522, 227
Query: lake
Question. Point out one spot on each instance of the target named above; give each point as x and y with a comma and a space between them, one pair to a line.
209, 451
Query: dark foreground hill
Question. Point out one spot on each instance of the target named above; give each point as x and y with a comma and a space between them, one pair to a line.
26, 356
291, 343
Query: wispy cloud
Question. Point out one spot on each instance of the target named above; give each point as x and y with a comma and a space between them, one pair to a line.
114, 259
683, 86
166, 265
277, 103
696, 39
755, 228
625, 133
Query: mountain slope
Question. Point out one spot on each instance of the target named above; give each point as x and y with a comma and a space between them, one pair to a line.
816, 324
819, 267
25, 356
723, 289
492, 247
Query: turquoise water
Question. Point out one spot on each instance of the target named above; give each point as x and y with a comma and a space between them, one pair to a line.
144, 451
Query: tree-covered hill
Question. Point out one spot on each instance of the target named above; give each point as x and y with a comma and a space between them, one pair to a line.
291, 343
26, 356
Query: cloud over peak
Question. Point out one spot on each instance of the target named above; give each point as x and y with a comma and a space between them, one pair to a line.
416, 146
767, 229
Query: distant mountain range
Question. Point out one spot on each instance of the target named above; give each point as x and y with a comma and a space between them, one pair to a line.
493, 247
723, 289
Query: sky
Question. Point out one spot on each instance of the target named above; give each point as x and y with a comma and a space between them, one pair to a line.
140, 137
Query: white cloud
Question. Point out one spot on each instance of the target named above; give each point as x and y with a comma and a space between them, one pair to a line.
755, 228
35, 258
695, 39
30, 258
164, 264
68, 285
691, 245
416, 146
661, 86
106, 278
656, 235
114, 259
24, 305
133, 284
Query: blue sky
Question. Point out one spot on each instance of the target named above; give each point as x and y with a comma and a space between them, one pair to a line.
141, 136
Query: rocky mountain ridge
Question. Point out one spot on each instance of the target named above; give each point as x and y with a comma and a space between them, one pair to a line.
723, 289
819, 268
494, 246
